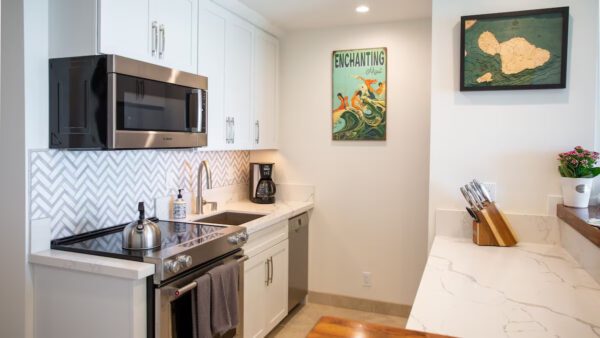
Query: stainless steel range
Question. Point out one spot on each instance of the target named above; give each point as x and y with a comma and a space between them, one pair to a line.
187, 251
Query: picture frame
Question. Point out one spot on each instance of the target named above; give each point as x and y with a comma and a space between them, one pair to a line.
359, 94
514, 50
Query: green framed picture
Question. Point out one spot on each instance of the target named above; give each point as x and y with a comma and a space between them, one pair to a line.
514, 50
359, 94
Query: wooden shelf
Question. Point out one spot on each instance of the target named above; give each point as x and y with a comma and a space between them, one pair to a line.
577, 218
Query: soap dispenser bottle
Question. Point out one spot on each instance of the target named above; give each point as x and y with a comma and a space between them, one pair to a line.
179, 207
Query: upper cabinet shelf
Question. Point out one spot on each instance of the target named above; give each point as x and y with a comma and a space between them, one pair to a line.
240, 60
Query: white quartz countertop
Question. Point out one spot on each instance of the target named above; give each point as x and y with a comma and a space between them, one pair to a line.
122, 268
114, 267
531, 290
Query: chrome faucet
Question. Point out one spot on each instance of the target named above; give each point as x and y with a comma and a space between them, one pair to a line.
200, 201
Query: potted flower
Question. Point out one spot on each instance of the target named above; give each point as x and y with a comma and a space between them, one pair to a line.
577, 171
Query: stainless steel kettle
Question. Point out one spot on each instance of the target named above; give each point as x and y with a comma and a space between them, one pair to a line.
142, 234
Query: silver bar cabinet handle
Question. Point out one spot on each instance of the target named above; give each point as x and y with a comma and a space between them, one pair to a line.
267, 272
154, 37
233, 130
271, 274
161, 49
257, 131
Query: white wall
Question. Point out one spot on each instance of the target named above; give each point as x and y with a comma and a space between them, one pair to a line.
511, 137
13, 200
371, 197
23, 126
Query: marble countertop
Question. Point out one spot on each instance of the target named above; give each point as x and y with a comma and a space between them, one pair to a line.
531, 290
114, 267
137, 270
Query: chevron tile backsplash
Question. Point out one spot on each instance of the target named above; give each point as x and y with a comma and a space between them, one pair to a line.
87, 190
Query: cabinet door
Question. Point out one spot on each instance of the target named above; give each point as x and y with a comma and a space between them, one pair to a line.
211, 63
277, 290
238, 80
265, 88
124, 28
177, 24
255, 280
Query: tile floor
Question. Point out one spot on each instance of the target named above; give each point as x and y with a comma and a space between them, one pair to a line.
302, 319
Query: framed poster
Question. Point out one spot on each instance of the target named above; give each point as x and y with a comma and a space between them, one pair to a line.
359, 94
514, 50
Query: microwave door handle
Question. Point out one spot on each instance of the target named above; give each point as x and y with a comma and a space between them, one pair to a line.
193, 108
203, 113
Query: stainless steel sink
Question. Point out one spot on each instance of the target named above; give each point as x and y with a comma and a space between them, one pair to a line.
230, 218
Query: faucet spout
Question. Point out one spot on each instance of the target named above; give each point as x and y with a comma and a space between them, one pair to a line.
200, 202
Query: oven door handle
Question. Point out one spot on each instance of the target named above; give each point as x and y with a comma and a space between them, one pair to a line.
189, 287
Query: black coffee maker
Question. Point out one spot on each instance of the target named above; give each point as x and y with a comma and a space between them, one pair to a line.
262, 187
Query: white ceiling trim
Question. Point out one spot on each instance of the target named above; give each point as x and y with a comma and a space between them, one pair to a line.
251, 16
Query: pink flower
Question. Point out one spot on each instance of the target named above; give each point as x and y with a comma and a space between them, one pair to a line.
578, 148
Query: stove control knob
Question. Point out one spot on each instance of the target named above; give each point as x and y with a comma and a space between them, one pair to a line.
185, 260
173, 266
244, 237
234, 239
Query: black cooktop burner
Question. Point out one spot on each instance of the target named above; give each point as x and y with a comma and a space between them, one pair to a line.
108, 241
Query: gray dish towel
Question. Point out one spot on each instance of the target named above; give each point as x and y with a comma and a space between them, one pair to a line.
203, 326
224, 297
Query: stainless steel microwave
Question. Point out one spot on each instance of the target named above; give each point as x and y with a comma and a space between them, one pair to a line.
112, 102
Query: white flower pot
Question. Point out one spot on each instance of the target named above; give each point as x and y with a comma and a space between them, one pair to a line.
576, 191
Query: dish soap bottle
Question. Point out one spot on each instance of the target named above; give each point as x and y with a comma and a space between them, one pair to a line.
179, 206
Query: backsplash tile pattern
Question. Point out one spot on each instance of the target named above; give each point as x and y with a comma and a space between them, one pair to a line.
87, 190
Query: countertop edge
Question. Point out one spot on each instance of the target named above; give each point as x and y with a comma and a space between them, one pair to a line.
106, 266
575, 218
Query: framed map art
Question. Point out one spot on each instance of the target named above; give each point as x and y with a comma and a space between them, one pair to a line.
515, 50
359, 94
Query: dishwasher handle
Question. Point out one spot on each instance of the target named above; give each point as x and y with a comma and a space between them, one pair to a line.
298, 222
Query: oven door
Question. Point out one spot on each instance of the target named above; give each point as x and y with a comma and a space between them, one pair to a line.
175, 303
155, 114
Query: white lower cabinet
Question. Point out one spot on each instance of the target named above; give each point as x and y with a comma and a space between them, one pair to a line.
265, 286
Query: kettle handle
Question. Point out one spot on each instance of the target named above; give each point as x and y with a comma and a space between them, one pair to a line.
140, 224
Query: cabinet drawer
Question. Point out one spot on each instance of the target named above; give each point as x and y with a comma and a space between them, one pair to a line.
266, 238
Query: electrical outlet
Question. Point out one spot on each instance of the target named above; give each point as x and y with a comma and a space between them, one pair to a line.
553, 200
366, 279
491, 188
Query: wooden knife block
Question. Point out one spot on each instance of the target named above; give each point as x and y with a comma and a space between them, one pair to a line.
493, 229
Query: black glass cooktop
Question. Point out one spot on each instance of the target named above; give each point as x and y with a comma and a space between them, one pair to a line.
108, 242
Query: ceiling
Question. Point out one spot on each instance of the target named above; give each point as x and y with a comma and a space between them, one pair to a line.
305, 14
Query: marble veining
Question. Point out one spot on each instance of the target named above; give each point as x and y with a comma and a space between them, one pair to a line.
532, 290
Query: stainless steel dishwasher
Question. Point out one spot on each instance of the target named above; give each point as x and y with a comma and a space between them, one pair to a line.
298, 266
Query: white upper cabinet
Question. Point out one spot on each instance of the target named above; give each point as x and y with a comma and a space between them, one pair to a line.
123, 29
265, 90
238, 80
211, 63
163, 32
176, 24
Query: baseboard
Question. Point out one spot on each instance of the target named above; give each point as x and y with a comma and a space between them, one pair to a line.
367, 305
